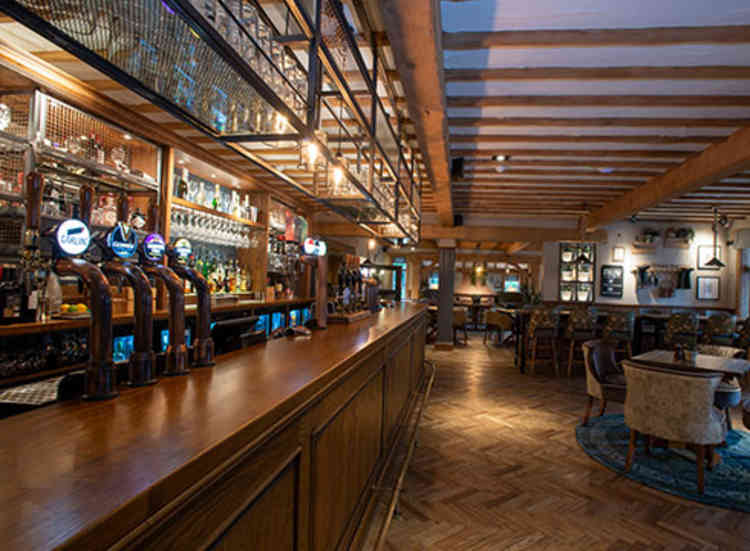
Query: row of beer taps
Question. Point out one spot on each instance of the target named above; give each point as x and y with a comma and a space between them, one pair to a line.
133, 261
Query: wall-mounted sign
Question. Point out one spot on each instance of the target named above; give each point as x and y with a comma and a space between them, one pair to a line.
153, 247
314, 247
122, 240
73, 237
611, 281
183, 249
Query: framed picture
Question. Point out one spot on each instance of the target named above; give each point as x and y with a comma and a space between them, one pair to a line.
618, 254
708, 287
611, 281
706, 253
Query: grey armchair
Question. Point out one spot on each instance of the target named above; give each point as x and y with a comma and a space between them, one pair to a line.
604, 378
651, 409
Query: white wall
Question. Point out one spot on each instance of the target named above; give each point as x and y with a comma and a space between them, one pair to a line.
688, 257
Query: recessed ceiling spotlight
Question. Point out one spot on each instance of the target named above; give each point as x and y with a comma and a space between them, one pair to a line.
501, 158
500, 168
606, 170
213, 175
181, 161
127, 136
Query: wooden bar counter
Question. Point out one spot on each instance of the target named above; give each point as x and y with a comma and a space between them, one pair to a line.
275, 448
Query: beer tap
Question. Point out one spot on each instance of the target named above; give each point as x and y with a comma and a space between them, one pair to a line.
118, 246
203, 348
151, 259
72, 238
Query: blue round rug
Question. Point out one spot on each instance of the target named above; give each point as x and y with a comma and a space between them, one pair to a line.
606, 438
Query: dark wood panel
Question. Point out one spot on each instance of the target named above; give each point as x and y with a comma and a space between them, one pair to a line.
343, 456
227, 501
397, 388
269, 524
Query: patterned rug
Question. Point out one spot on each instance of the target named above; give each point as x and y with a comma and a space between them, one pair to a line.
727, 485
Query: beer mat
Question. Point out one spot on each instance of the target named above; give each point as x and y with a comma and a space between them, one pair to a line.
32, 394
73, 316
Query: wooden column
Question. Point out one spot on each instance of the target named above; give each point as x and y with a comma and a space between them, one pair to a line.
414, 277
445, 295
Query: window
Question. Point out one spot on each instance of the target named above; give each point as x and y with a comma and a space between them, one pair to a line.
512, 283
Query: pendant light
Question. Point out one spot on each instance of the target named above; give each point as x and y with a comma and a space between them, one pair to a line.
582, 258
715, 262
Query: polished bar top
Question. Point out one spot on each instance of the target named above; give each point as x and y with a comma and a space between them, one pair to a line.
121, 319
67, 465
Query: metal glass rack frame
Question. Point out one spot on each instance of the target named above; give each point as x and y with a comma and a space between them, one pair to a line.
209, 69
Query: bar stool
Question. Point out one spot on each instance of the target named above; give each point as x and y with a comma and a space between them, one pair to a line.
542, 334
682, 329
620, 330
720, 329
581, 328
459, 323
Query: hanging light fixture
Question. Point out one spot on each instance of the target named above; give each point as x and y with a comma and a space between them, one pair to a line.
310, 151
715, 262
582, 258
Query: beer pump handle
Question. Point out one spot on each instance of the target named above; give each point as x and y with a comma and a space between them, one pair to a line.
123, 208
34, 193
86, 198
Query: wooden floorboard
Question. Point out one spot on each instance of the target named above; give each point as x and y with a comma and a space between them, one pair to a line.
498, 467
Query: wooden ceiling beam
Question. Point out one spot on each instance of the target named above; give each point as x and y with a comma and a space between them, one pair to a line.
714, 163
612, 153
414, 31
707, 72
589, 38
561, 172
656, 122
657, 165
584, 100
585, 138
511, 233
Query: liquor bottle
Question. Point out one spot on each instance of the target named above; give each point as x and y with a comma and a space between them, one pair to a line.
183, 185
217, 198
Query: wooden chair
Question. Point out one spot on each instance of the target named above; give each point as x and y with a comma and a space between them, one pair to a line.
460, 319
605, 380
581, 328
542, 334
682, 329
497, 321
676, 406
620, 330
720, 329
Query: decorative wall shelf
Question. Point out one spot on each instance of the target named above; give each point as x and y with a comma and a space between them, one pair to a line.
677, 243
643, 247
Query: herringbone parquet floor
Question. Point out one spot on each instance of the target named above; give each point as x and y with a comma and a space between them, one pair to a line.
498, 467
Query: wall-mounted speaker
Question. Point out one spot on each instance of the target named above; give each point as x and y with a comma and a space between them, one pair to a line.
457, 168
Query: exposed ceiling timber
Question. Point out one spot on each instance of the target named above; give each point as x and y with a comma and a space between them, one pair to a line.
598, 73
613, 153
714, 163
580, 138
548, 38
658, 122
628, 100
509, 234
415, 34
511, 162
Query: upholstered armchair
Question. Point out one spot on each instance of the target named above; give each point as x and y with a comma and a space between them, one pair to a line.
729, 392
651, 409
497, 321
605, 380
719, 329
581, 327
743, 337
682, 328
